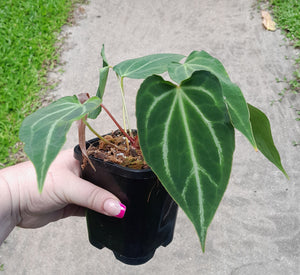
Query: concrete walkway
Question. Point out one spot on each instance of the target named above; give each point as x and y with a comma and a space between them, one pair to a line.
256, 229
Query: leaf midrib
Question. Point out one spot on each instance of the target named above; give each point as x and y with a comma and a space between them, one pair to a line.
193, 156
49, 137
55, 113
210, 128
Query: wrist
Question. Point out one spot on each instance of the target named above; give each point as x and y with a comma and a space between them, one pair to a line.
9, 214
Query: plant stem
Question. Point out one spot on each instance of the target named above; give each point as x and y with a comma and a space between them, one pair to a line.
118, 125
125, 113
97, 135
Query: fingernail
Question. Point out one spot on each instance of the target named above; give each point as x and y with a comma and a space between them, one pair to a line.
114, 208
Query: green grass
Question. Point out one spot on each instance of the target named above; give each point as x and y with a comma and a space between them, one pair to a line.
28, 35
287, 16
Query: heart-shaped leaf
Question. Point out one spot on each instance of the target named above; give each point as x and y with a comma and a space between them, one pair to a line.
263, 136
187, 139
142, 67
234, 99
44, 132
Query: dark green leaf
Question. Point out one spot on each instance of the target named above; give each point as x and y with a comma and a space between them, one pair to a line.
188, 140
233, 96
197, 61
142, 67
44, 132
263, 136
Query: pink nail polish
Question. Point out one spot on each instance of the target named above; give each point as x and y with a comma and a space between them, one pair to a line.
122, 211
114, 208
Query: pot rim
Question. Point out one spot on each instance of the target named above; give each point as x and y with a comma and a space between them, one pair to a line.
114, 167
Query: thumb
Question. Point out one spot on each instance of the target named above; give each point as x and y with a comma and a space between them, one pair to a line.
81, 192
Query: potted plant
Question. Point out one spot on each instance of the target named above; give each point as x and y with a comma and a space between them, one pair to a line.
185, 134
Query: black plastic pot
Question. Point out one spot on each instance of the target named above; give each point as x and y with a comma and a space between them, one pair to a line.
150, 216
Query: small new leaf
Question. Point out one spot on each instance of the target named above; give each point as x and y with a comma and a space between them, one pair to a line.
103, 74
105, 62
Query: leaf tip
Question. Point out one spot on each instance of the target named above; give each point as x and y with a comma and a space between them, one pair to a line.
40, 187
286, 175
203, 247
202, 237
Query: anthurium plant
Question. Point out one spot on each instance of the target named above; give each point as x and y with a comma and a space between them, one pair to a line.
186, 127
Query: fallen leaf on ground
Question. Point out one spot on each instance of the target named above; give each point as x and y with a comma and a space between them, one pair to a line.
268, 23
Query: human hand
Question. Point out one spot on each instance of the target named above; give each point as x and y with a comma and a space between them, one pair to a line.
64, 194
